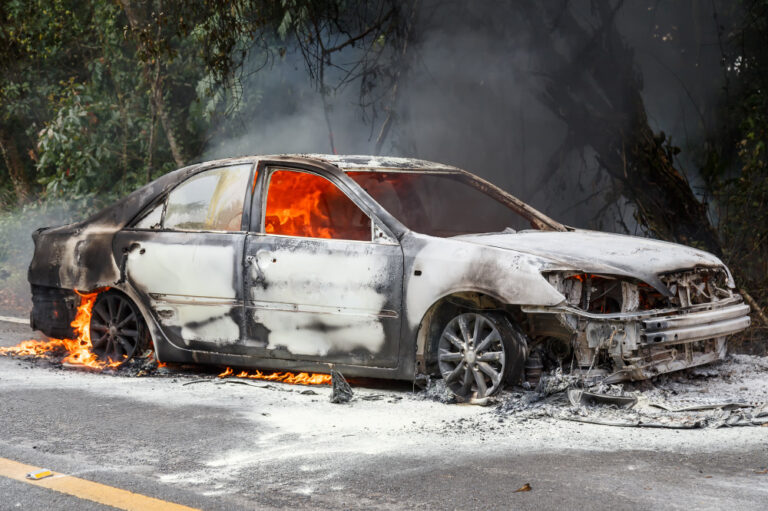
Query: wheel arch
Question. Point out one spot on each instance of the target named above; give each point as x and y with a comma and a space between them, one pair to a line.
144, 315
448, 305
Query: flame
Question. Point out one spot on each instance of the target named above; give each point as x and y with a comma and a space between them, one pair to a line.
39, 348
78, 350
292, 378
153, 356
302, 204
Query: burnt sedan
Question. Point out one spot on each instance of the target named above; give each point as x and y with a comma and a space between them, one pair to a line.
379, 267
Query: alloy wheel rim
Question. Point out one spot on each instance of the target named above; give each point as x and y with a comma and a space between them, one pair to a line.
471, 355
114, 329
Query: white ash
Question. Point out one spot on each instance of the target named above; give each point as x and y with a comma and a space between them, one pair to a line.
736, 390
437, 390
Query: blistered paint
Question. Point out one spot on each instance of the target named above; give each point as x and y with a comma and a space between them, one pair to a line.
451, 265
302, 333
79, 255
600, 252
76, 270
190, 281
314, 297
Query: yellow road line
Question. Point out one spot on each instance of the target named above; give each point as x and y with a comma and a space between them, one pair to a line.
88, 490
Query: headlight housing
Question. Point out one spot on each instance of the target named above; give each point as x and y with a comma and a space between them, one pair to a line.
606, 294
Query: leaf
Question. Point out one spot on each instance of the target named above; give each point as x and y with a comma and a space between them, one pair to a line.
525, 487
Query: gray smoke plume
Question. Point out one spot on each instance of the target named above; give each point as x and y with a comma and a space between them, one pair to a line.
471, 98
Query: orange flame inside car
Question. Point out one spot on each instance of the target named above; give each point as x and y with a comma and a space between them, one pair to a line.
292, 378
306, 205
78, 350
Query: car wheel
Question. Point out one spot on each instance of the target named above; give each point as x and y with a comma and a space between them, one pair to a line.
116, 328
478, 352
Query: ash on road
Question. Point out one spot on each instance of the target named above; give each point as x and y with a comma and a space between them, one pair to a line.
216, 445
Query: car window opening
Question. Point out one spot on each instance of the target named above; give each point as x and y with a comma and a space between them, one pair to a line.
441, 205
212, 200
153, 219
307, 205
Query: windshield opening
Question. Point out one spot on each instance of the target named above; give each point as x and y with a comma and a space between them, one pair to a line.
441, 205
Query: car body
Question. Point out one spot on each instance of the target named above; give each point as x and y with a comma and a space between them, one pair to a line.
301, 262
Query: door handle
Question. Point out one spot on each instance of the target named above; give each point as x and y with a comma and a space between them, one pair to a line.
134, 246
257, 275
124, 260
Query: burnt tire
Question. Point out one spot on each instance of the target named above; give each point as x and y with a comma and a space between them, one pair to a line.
478, 352
117, 328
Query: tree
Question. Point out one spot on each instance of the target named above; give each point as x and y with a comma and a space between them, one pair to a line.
734, 159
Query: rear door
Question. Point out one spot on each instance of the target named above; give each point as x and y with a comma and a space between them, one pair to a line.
185, 257
317, 285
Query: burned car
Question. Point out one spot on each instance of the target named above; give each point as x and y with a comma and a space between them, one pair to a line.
378, 267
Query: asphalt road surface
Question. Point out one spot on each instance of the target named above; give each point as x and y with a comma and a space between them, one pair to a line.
192, 440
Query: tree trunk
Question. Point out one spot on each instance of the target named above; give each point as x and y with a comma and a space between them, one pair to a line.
597, 92
15, 167
162, 112
155, 85
645, 169
151, 144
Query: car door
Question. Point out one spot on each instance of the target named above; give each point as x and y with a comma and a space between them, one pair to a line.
185, 258
317, 285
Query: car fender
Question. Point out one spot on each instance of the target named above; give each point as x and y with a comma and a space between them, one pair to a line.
438, 267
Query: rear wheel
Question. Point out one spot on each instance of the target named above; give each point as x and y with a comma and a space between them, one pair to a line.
117, 332
479, 352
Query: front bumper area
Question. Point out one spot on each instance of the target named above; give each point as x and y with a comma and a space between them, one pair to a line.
695, 326
642, 344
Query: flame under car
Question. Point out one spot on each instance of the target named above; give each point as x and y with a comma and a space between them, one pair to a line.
382, 267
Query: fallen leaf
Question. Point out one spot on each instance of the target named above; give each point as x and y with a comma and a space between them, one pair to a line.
525, 487
762, 471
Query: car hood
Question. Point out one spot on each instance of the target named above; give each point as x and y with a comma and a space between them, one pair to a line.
599, 252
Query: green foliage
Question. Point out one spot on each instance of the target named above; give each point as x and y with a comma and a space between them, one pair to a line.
66, 143
76, 91
735, 160
100, 97
57, 93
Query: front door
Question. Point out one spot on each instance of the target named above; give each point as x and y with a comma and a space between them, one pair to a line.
318, 287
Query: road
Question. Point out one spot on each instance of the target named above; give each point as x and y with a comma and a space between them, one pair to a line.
192, 440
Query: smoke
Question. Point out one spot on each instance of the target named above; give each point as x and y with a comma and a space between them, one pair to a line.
470, 97
679, 51
281, 111
16, 247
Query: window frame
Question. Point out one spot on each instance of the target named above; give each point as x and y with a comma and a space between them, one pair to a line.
163, 200
159, 202
265, 177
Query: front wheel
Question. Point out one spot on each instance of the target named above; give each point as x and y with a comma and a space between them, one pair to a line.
479, 352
